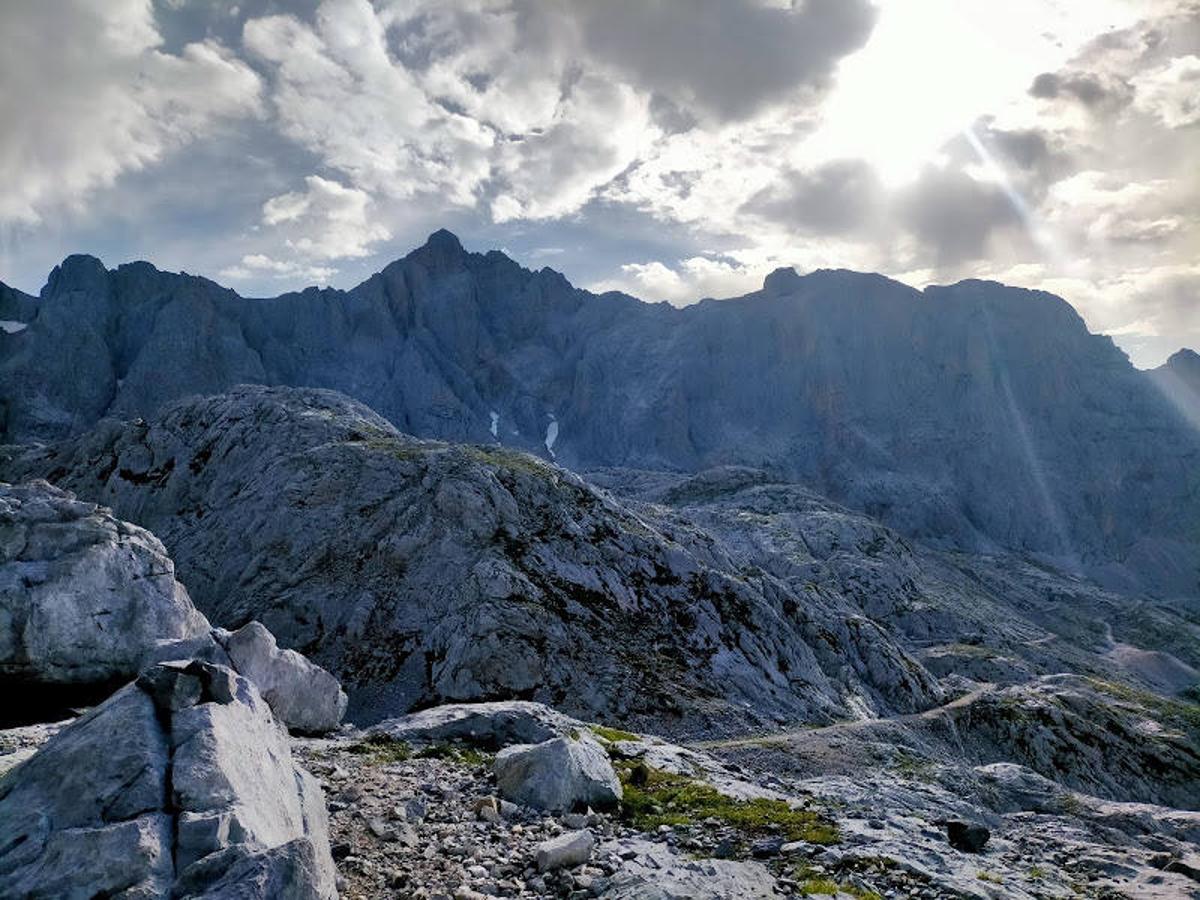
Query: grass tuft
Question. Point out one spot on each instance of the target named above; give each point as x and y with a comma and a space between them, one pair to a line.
653, 797
382, 750
613, 735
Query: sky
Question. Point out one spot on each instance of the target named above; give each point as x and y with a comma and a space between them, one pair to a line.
672, 149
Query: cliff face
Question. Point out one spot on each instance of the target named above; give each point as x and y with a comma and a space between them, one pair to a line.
977, 415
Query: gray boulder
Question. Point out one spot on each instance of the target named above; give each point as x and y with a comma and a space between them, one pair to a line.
181, 784
491, 725
563, 774
307, 698
84, 597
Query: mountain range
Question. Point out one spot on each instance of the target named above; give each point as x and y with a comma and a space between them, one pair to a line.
975, 416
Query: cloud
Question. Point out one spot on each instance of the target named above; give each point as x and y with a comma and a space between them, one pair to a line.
337, 91
725, 59
531, 110
1172, 92
600, 129
256, 265
1095, 92
687, 281
325, 221
953, 215
89, 94
833, 198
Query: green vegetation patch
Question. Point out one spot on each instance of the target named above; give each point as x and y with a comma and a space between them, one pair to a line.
613, 734
654, 797
382, 750
1179, 712
510, 460
815, 886
454, 752
812, 883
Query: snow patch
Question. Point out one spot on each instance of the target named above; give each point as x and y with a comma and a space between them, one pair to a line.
8, 326
495, 423
551, 435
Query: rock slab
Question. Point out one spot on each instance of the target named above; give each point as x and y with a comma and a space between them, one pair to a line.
180, 785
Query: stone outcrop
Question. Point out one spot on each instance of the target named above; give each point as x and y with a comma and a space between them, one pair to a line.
951, 413
87, 600
571, 849
488, 725
179, 785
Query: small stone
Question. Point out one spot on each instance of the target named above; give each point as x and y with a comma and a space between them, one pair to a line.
968, 837
416, 809
486, 809
726, 849
766, 848
381, 829
565, 851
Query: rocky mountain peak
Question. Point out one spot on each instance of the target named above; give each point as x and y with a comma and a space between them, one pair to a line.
78, 272
1185, 361
781, 281
441, 251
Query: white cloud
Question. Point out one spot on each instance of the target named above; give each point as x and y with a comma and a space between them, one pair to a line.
89, 94
1172, 92
687, 281
338, 91
599, 129
325, 221
256, 265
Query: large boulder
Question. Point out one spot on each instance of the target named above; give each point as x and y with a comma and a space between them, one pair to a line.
88, 600
491, 725
181, 784
564, 773
84, 597
306, 697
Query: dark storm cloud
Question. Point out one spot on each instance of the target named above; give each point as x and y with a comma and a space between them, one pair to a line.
1094, 92
726, 58
952, 215
835, 198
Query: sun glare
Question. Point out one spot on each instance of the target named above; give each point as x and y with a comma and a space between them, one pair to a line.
905, 94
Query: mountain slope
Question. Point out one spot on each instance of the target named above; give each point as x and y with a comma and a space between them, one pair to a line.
975, 416
425, 572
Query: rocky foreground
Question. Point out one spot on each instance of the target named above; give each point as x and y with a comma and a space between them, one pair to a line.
515, 800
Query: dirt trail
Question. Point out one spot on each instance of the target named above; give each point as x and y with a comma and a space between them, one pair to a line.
783, 737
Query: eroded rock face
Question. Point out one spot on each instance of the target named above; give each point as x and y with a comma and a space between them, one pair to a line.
181, 784
422, 572
84, 596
